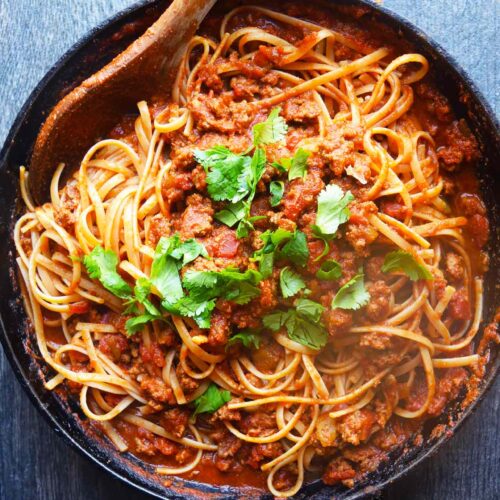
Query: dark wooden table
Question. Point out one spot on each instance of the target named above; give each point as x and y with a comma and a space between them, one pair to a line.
34, 462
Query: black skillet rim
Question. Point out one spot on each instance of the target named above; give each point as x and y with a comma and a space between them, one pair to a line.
140, 481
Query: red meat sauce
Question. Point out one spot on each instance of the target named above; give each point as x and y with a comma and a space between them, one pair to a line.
164, 453
358, 442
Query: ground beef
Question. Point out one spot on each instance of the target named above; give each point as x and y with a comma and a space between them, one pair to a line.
385, 403
221, 113
237, 143
379, 305
156, 389
184, 455
374, 361
159, 226
339, 149
223, 243
258, 424
326, 434
175, 184
435, 102
479, 229
246, 317
268, 355
358, 426
459, 306
378, 341
285, 477
263, 451
175, 421
394, 434
478, 225
152, 354
144, 442
114, 346
261, 207
227, 464
373, 268
224, 413
187, 383
302, 193
301, 109
394, 209
461, 146
447, 389
337, 321
199, 177
360, 233
244, 88
454, 266
65, 214
207, 75
470, 204
197, 217
220, 328
228, 446
268, 294
339, 470
165, 446
316, 248
367, 457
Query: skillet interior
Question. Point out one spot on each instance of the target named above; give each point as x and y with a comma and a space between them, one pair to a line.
81, 61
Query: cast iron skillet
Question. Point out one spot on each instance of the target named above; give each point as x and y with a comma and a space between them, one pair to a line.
63, 415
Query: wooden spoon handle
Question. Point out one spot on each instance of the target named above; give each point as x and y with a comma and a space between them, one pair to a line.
147, 67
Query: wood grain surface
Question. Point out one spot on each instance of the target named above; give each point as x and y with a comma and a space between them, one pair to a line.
34, 462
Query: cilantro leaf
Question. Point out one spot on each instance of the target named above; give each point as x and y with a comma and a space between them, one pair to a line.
302, 324
298, 167
227, 173
258, 166
400, 260
170, 255
265, 256
279, 236
277, 189
142, 289
326, 248
246, 225
234, 177
136, 324
242, 293
101, 264
283, 165
352, 295
233, 213
199, 311
329, 270
290, 282
332, 209
277, 320
188, 251
295, 166
266, 263
165, 277
230, 284
309, 309
306, 333
247, 338
296, 249
273, 129
211, 400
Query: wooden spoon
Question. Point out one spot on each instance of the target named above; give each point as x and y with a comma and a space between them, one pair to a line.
147, 67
